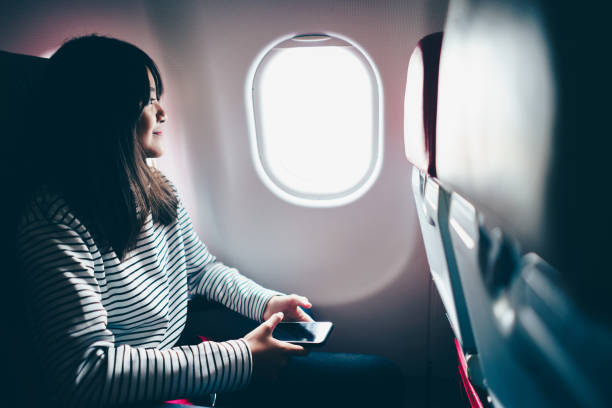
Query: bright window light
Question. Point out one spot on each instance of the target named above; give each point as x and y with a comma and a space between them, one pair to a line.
316, 118
316, 110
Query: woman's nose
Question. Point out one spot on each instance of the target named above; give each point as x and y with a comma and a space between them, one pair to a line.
161, 114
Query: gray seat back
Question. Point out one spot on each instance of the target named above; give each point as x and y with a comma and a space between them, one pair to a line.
519, 145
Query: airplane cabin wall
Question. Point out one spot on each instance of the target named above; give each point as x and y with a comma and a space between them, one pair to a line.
362, 265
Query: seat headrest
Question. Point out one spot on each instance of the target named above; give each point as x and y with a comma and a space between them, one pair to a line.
19, 108
20, 76
420, 103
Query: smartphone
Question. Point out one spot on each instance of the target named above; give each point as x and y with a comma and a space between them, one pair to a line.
303, 333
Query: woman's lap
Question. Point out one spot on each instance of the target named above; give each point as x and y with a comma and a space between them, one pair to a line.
326, 380
318, 380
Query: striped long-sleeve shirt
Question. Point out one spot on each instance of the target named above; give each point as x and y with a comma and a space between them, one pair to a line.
105, 329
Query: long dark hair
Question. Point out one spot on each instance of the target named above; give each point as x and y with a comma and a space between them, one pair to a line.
93, 94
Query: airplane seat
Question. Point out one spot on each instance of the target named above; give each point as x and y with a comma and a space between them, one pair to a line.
18, 85
432, 200
526, 223
19, 107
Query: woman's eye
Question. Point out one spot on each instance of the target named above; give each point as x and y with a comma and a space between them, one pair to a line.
152, 100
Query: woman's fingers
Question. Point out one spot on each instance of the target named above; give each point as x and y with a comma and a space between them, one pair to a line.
269, 354
298, 300
291, 306
302, 351
306, 303
303, 316
293, 349
273, 321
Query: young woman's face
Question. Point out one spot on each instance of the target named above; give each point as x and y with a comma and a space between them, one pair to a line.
149, 127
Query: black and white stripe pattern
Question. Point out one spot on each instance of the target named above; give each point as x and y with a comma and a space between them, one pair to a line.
105, 328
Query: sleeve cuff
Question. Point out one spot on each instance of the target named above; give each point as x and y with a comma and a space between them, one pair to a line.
265, 297
245, 361
229, 365
249, 362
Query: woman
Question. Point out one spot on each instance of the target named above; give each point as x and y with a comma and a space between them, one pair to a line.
109, 254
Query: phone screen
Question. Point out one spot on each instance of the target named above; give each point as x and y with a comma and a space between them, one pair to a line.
303, 332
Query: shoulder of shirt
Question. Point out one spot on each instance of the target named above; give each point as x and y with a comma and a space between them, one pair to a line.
171, 185
166, 179
49, 207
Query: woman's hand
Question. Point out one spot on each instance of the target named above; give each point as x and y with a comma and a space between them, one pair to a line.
289, 305
270, 355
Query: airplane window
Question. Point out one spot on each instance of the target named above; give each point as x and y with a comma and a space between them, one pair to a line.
316, 105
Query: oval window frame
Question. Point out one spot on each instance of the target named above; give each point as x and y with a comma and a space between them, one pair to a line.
257, 139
